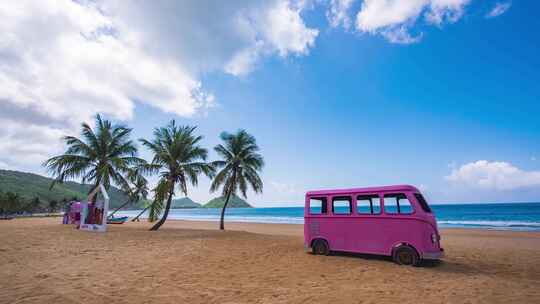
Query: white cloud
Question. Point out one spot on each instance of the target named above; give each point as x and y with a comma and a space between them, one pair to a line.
284, 188
496, 175
277, 29
338, 13
4, 166
445, 11
62, 61
285, 30
499, 9
394, 18
400, 35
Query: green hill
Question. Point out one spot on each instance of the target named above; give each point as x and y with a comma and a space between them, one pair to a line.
29, 186
184, 203
234, 202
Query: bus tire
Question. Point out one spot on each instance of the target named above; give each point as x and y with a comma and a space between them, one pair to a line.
406, 255
320, 247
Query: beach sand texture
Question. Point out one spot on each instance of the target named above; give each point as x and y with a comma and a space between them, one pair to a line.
42, 261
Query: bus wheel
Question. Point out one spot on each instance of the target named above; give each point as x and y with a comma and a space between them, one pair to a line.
406, 255
320, 247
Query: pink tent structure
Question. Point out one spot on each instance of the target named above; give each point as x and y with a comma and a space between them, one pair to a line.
73, 215
89, 216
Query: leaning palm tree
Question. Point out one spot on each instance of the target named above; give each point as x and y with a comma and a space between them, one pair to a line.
239, 167
147, 206
104, 155
179, 160
138, 190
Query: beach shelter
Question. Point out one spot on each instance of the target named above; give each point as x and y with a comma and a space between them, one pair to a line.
94, 214
73, 213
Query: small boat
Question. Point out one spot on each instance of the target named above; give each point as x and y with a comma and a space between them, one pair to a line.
6, 217
117, 220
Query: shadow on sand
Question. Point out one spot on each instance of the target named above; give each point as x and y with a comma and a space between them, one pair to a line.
439, 265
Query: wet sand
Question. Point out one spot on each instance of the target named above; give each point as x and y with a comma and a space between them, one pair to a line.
42, 261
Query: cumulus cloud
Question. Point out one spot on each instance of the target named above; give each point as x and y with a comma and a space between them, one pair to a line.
62, 61
394, 19
499, 9
338, 13
284, 188
4, 166
496, 175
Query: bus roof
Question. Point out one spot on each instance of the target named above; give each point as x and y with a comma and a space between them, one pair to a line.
361, 190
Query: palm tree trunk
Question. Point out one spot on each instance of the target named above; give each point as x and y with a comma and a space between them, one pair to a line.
222, 220
94, 198
115, 210
139, 215
166, 213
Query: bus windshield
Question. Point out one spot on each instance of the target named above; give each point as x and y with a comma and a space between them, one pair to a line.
423, 203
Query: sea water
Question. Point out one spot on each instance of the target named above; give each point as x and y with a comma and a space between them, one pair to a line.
501, 216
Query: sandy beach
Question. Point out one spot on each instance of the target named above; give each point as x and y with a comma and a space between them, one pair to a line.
42, 261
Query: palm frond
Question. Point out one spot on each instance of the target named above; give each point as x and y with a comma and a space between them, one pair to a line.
239, 165
103, 155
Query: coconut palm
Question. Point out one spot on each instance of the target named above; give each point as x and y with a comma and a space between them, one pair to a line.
146, 207
240, 165
138, 190
179, 160
104, 155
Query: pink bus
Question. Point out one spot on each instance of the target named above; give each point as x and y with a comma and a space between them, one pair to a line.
393, 220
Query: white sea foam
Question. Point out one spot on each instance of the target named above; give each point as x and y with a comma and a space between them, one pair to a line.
491, 223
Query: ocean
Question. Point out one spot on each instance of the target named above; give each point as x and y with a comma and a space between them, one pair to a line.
501, 216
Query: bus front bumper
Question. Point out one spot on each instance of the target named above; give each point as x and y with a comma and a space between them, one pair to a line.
433, 255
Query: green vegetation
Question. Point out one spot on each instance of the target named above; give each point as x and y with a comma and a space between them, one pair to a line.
28, 192
29, 186
239, 166
137, 191
179, 159
234, 202
184, 203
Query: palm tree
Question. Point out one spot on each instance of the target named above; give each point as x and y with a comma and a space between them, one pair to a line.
137, 191
178, 159
239, 167
103, 155
147, 206
13, 202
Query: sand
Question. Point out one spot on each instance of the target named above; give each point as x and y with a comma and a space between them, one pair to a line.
42, 261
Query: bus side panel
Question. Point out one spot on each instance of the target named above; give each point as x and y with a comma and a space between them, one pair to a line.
403, 229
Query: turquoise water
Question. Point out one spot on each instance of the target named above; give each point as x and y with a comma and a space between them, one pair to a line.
507, 216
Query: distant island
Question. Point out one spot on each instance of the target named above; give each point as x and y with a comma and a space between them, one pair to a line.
184, 203
218, 202
234, 202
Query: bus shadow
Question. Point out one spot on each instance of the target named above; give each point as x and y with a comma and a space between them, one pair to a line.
439, 265
364, 256
376, 257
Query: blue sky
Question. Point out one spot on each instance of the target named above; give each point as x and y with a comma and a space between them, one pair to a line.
451, 107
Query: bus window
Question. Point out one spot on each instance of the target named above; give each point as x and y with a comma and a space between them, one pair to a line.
342, 205
368, 204
317, 205
397, 203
